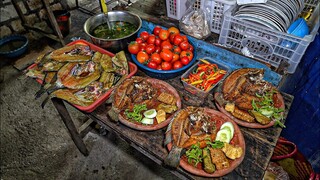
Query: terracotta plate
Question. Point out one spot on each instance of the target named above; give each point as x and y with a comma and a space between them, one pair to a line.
237, 140
244, 123
163, 87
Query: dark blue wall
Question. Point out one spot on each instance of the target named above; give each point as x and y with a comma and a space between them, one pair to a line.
303, 121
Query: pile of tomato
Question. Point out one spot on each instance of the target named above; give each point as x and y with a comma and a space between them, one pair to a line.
163, 49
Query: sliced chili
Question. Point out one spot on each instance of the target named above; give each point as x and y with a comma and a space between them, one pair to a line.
205, 76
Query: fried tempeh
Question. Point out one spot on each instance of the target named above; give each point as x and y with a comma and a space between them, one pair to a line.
219, 158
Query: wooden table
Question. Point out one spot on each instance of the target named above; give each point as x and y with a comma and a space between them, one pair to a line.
260, 143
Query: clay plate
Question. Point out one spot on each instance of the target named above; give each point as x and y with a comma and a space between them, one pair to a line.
237, 140
164, 87
244, 123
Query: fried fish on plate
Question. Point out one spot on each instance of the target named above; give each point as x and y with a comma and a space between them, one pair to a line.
249, 100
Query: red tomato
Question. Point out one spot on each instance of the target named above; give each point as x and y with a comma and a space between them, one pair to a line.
177, 39
151, 39
166, 55
142, 57
190, 48
158, 49
134, 47
155, 57
184, 37
166, 66
171, 37
157, 41
139, 40
175, 57
166, 45
184, 45
150, 48
164, 34
156, 30
176, 49
173, 30
177, 65
152, 65
143, 46
144, 35
187, 53
159, 67
184, 60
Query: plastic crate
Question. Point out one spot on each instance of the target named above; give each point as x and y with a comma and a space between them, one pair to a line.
177, 8
273, 47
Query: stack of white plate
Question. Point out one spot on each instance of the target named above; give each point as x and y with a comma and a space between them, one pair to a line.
274, 14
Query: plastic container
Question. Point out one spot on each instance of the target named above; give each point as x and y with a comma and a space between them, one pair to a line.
266, 44
196, 91
64, 21
177, 8
132, 69
161, 74
13, 46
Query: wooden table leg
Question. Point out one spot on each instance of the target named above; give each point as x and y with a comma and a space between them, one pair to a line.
66, 118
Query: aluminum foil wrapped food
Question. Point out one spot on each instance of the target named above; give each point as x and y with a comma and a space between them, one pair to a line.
196, 24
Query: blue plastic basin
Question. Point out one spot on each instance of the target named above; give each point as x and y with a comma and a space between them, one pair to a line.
13, 46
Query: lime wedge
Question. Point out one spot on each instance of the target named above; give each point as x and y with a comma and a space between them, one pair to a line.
223, 135
229, 127
151, 113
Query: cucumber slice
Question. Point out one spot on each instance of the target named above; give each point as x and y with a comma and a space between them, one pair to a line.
229, 127
266, 112
223, 135
151, 113
147, 121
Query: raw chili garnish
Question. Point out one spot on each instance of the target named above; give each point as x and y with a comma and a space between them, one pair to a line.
205, 76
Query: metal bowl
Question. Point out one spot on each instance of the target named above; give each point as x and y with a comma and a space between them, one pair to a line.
113, 45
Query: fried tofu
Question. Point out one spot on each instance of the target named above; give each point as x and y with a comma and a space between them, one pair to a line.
166, 98
161, 116
232, 151
219, 158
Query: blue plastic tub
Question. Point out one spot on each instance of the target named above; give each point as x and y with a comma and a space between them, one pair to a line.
13, 46
161, 74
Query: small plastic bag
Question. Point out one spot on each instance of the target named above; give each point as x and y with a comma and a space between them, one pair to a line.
196, 22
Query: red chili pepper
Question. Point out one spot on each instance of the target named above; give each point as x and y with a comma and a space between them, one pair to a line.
205, 76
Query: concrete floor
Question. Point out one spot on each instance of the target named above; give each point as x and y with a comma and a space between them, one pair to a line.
35, 143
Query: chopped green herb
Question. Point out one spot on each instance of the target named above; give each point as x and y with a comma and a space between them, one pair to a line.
136, 114
215, 144
194, 154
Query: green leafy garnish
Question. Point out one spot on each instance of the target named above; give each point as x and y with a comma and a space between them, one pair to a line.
194, 154
266, 108
136, 114
215, 144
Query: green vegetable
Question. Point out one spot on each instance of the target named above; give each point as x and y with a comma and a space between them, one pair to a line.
136, 114
118, 29
266, 108
215, 144
194, 154
146, 120
209, 167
